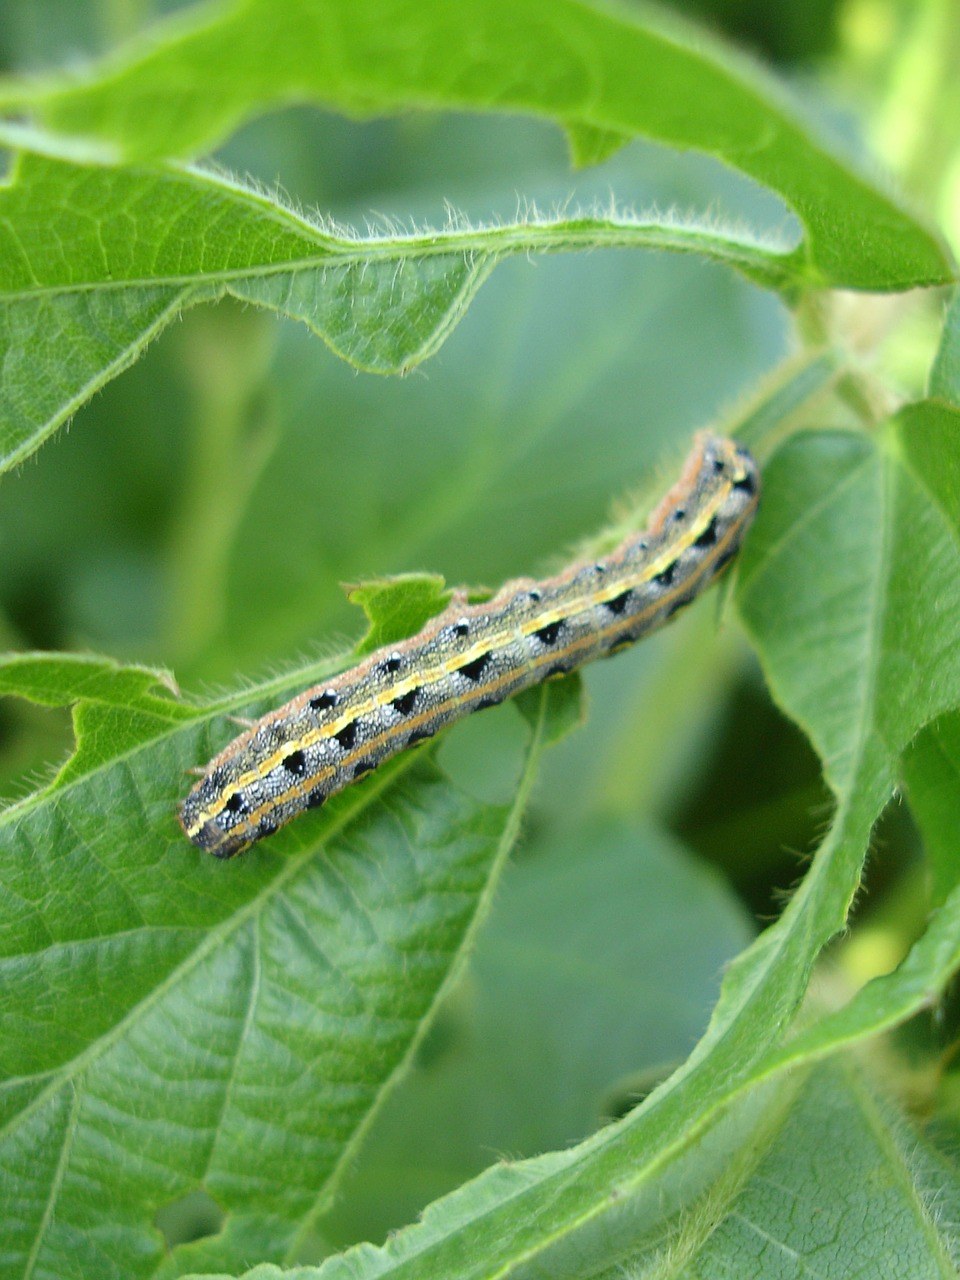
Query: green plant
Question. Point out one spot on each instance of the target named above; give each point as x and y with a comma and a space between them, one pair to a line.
176, 1028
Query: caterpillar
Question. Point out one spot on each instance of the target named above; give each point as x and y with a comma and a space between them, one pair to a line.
473, 656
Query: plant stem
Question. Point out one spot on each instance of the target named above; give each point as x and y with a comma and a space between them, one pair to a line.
227, 363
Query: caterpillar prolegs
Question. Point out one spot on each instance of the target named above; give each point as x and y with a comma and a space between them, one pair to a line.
473, 656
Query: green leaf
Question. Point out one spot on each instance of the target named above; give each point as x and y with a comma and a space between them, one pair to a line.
535, 1046
398, 607
596, 70
156, 1006
146, 244
115, 707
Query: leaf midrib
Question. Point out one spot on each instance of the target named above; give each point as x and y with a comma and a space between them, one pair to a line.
56, 1182
488, 242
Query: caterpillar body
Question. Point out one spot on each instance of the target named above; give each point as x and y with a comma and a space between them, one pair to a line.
474, 656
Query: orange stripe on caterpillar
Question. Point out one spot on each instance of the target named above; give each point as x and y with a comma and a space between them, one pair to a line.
472, 656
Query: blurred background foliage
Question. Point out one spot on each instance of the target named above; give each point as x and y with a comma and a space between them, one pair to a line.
203, 510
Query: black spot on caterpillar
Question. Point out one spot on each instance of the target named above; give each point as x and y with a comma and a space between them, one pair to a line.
404, 704
548, 635
618, 603
474, 670
708, 537
474, 656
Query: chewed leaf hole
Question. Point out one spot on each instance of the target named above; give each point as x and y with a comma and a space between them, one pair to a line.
189, 1217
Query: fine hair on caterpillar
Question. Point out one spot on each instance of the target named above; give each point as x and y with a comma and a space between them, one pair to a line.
473, 656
